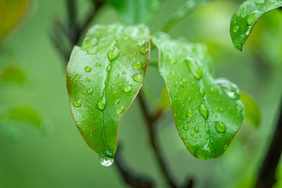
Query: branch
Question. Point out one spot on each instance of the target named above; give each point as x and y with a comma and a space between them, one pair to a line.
267, 176
130, 177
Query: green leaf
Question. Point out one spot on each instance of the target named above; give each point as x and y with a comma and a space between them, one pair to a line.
207, 111
13, 74
187, 8
136, 11
246, 17
103, 78
252, 112
12, 11
25, 114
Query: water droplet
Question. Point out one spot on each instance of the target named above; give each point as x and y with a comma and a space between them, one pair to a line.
225, 146
259, 1
144, 50
120, 110
184, 137
229, 88
138, 77
89, 42
253, 17
172, 74
127, 89
204, 111
243, 15
235, 29
137, 65
212, 89
195, 68
88, 69
113, 53
106, 161
90, 90
124, 72
117, 101
77, 76
77, 103
189, 113
114, 92
220, 127
87, 79
239, 107
102, 103
98, 65
92, 51
196, 129
186, 126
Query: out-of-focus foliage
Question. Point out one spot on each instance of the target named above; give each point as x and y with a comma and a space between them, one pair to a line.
12, 12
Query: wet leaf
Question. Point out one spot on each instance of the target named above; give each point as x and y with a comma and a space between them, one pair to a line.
246, 17
103, 78
137, 11
252, 112
207, 111
12, 12
187, 8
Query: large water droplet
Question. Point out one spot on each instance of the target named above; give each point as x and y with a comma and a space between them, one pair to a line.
102, 103
120, 110
106, 161
220, 127
253, 16
113, 53
204, 111
229, 88
144, 50
137, 65
196, 129
88, 69
189, 113
77, 76
138, 77
127, 89
195, 68
77, 103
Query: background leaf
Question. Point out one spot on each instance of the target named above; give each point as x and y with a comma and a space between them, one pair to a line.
252, 112
137, 11
207, 112
246, 17
103, 77
12, 12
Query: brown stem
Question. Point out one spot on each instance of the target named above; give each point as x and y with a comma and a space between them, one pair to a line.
267, 176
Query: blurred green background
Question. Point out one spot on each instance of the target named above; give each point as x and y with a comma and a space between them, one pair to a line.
45, 149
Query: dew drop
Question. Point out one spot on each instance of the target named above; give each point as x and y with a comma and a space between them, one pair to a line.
87, 79
189, 113
204, 111
127, 89
196, 129
106, 161
144, 50
239, 107
77, 103
138, 77
90, 90
137, 65
120, 110
113, 53
117, 101
172, 74
235, 29
98, 65
88, 69
124, 72
89, 42
195, 68
220, 127
186, 126
229, 88
92, 51
77, 76
102, 103
253, 16
184, 137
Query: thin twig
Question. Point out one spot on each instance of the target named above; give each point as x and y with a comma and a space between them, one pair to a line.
267, 176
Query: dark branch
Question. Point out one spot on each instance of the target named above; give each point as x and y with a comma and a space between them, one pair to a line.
266, 177
131, 178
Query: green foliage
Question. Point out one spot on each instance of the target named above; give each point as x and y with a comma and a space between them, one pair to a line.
207, 112
246, 17
137, 11
13, 74
103, 77
252, 112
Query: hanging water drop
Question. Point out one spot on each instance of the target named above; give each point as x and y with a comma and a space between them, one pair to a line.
106, 161
138, 77
229, 88
220, 127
